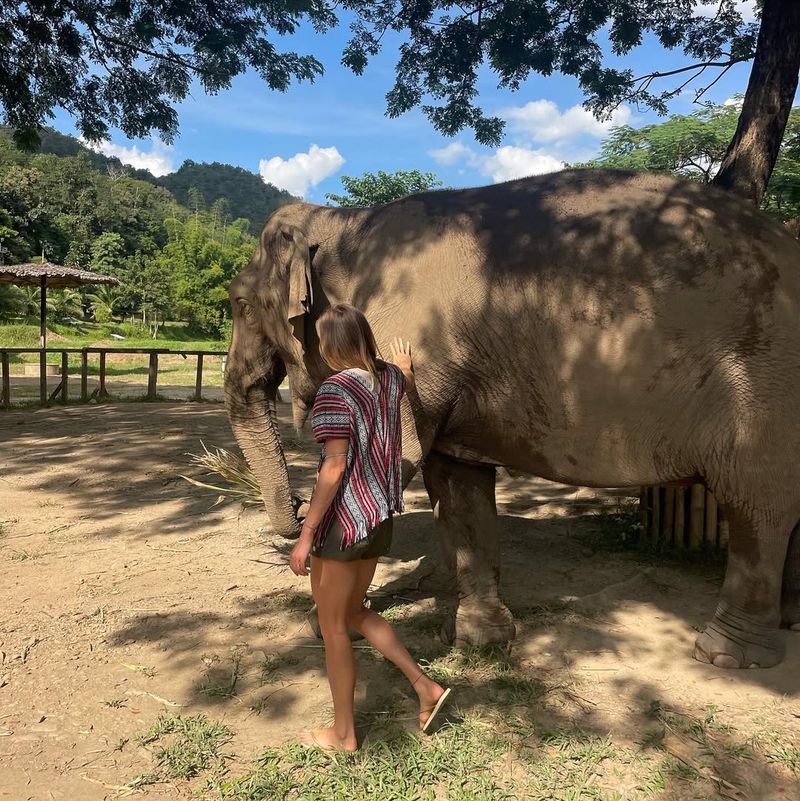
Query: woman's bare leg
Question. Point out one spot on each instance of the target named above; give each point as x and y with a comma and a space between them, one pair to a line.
332, 585
381, 636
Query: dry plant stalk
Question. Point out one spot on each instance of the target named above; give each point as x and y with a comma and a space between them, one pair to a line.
241, 483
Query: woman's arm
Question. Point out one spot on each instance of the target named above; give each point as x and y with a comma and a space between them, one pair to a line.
329, 479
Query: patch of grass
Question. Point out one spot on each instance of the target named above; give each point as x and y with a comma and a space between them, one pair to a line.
220, 682
272, 664
616, 528
413, 618
23, 555
396, 766
116, 703
184, 747
143, 669
778, 748
291, 601
545, 613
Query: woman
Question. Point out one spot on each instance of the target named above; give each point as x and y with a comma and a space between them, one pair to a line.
349, 523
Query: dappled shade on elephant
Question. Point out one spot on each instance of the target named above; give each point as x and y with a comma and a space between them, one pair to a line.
593, 327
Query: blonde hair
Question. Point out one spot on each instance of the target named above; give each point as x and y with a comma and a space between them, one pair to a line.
346, 340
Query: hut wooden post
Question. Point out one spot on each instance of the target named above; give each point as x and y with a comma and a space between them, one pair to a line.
42, 340
64, 377
198, 384
84, 376
6, 383
152, 376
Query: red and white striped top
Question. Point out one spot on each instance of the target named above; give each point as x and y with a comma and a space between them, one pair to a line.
371, 489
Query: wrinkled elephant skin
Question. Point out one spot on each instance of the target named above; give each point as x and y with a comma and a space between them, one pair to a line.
593, 327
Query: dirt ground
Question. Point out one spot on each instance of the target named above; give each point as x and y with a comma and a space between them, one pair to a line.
125, 595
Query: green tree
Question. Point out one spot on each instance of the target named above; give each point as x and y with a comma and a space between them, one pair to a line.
126, 65
108, 254
373, 189
105, 301
245, 193
64, 303
694, 146
11, 301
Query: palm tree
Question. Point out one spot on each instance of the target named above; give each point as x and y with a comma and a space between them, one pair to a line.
30, 300
106, 297
64, 303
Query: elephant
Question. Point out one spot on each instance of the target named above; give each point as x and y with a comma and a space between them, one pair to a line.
594, 327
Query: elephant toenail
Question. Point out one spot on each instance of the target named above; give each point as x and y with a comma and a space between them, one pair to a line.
725, 661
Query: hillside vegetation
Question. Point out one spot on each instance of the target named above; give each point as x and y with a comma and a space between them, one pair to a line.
85, 210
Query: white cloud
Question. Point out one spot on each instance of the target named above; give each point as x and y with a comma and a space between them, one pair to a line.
303, 170
747, 8
450, 154
515, 162
734, 101
159, 160
502, 164
541, 121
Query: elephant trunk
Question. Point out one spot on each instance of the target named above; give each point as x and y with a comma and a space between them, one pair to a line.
254, 422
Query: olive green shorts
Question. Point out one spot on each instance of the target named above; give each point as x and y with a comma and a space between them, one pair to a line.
376, 543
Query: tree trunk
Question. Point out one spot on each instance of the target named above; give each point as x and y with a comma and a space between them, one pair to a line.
750, 158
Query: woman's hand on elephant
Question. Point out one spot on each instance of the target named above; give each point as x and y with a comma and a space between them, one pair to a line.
400, 354
299, 557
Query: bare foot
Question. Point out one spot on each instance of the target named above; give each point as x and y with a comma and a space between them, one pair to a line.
429, 693
329, 740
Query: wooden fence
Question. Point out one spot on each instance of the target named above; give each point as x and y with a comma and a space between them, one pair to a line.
62, 390
682, 517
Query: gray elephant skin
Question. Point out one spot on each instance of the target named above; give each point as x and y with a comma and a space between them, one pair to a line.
598, 328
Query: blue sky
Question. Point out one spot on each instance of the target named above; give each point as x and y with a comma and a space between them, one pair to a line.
306, 139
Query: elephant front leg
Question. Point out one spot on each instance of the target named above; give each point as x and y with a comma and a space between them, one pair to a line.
744, 632
463, 500
790, 599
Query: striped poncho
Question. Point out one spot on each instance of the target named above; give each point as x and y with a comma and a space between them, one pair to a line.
371, 489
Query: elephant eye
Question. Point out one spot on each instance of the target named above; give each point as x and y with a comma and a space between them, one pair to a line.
246, 309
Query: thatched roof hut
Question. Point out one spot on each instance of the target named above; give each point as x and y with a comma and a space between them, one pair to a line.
54, 275
49, 275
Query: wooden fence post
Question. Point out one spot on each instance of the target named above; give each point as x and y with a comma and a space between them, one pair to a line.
198, 384
64, 377
696, 517
711, 520
152, 376
6, 383
84, 376
101, 389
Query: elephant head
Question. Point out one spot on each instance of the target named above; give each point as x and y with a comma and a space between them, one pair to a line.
273, 334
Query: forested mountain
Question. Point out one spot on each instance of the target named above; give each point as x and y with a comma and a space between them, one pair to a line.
195, 185
85, 210
245, 193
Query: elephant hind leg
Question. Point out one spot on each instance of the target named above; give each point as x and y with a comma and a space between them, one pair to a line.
463, 500
790, 597
744, 631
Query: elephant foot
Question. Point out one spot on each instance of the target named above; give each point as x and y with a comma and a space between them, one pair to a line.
477, 626
733, 640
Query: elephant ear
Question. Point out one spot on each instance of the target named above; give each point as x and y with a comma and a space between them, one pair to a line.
298, 264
